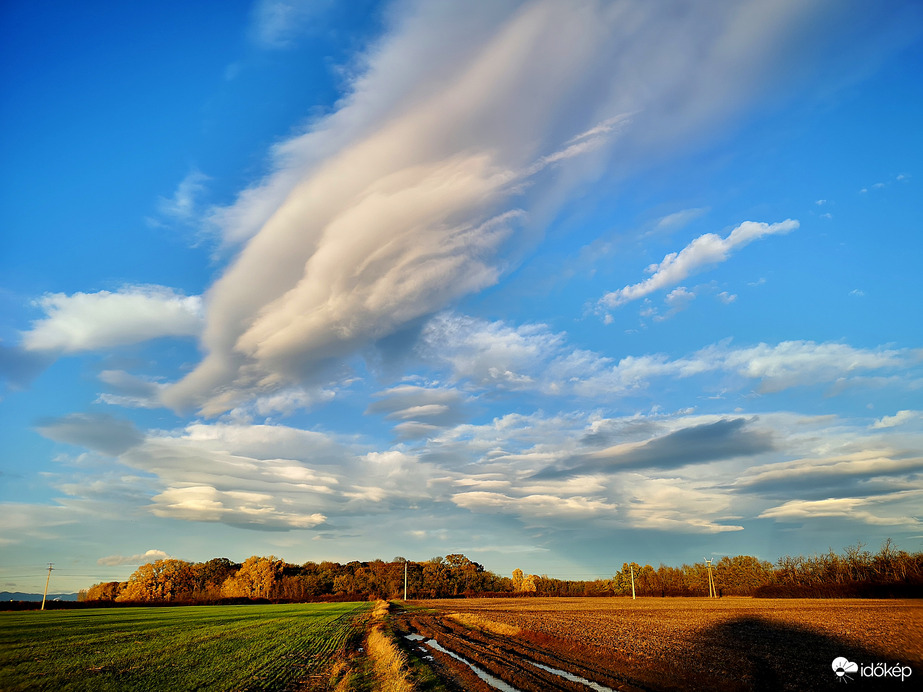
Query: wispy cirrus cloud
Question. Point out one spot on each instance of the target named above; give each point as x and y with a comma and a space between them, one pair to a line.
459, 138
679, 219
185, 204
706, 250
278, 23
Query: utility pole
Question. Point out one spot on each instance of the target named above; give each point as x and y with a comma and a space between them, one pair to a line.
405, 580
632, 581
712, 592
44, 595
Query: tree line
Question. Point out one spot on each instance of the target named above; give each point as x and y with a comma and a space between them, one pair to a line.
855, 572
273, 579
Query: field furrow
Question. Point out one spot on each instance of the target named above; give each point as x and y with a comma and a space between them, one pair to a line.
664, 644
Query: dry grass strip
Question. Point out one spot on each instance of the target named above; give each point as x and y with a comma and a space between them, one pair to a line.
392, 670
472, 621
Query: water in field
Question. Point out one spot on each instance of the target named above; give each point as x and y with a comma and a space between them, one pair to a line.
573, 678
496, 683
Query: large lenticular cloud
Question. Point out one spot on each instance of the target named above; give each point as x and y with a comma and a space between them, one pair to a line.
468, 125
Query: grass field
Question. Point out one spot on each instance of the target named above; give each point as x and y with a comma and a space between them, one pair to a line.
245, 647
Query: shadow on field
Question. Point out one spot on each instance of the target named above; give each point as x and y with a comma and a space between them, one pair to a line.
767, 655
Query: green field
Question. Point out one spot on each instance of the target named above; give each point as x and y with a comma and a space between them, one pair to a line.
245, 647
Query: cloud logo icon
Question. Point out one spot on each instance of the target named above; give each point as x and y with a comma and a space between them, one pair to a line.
841, 666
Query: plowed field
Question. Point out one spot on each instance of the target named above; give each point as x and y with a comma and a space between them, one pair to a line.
664, 644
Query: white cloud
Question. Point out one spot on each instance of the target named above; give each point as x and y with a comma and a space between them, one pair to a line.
865, 464
234, 507
95, 321
265, 477
140, 559
777, 367
460, 137
899, 418
676, 473
705, 250
431, 406
675, 505
861, 509
414, 429
607, 496
798, 363
258, 476
283, 401
491, 353
535, 506
184, 205
499, 465
532, 358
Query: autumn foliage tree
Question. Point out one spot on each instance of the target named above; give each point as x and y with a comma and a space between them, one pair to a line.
256, 578
104, 591
163, 580
211, 575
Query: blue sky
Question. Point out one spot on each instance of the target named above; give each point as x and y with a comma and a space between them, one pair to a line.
554, 285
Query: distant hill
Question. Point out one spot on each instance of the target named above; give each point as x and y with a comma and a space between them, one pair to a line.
19, 596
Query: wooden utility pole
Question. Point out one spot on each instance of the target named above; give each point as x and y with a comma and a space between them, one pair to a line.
632, 582
405, 580
712, 591
45, 595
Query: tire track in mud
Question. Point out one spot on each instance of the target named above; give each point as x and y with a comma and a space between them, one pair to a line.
527, 662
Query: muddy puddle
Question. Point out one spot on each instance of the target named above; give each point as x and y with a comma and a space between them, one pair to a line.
496, 683
573, 678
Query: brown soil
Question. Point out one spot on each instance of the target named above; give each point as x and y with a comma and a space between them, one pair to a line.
668, 644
